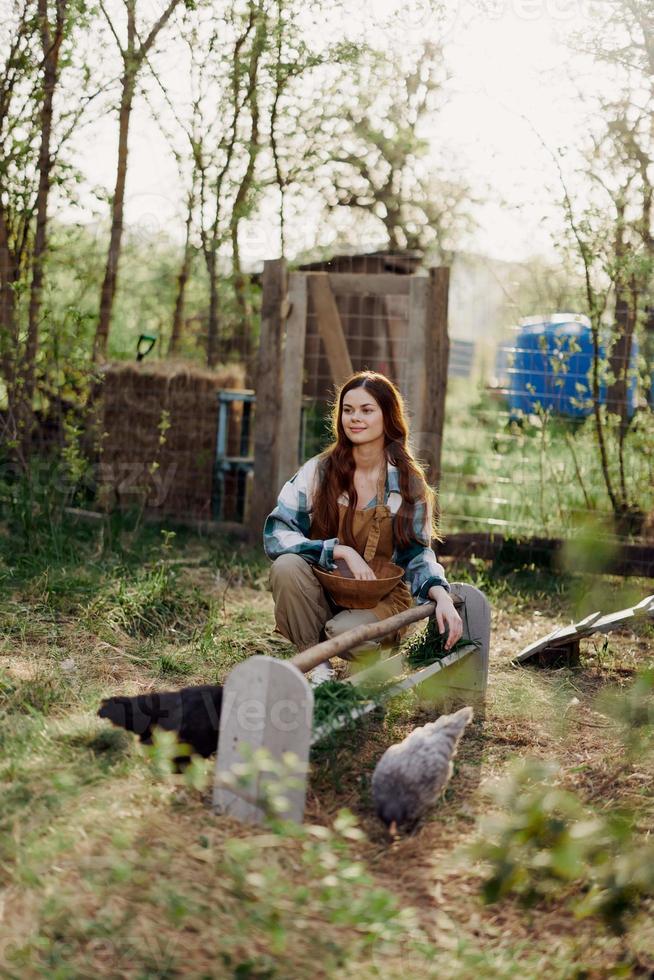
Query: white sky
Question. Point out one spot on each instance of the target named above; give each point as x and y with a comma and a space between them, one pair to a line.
507, 61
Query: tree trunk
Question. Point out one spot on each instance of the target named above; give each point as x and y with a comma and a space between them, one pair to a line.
617, 400
213, 325
133, 57
242, 333
8, 325
182, 280
51, 45
108, 292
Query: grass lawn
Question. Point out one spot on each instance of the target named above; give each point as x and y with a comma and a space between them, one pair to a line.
110, 868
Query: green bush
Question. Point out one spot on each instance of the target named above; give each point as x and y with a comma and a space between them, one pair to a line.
545, 845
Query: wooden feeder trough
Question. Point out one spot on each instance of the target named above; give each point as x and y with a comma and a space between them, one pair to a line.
560, 648
268, 703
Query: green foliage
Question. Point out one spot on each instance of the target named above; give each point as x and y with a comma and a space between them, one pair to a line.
334, 889
32, 503
537, 474
41, 693
427, 646
633, 710
544, 844
334, 702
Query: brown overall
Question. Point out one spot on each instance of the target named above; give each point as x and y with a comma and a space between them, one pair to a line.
303, 608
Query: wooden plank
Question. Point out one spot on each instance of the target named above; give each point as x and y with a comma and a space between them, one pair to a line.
565, 633
269, 391
364, 284
267, 703
595, 623
420, 676
381, 671
397, 311
288, 459
611, 620
413, 383
330, 326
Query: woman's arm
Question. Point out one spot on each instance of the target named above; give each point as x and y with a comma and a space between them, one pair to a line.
286, 529
422, 571
426, 576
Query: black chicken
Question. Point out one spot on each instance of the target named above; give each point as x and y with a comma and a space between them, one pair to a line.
193, 712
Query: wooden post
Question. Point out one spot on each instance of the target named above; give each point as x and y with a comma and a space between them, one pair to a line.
280, 378
269, 389
437, 352
267, 703
413, 381
288, 459
330, 326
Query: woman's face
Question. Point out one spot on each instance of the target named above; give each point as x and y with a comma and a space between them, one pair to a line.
362, 417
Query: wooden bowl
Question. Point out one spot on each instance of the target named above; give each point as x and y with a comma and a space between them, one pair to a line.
353, 593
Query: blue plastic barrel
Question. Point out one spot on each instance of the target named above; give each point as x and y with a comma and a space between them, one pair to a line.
552, 364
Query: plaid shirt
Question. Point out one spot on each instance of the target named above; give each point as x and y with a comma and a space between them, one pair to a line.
287, 528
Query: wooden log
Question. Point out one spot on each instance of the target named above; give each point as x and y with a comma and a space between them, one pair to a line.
628, 559
267, 703
308, 659
330, 326
269, 389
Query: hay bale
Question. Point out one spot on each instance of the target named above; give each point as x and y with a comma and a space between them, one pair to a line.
160, 422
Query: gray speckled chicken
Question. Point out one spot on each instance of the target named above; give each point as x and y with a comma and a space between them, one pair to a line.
410, 775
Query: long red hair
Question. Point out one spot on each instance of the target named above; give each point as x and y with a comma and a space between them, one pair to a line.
337, 467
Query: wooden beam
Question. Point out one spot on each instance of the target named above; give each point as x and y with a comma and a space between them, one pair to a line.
330, 326
269, 389
292, 380
362, 284
628, 559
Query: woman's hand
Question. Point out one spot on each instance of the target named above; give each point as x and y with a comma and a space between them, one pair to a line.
360, 569
446, 615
